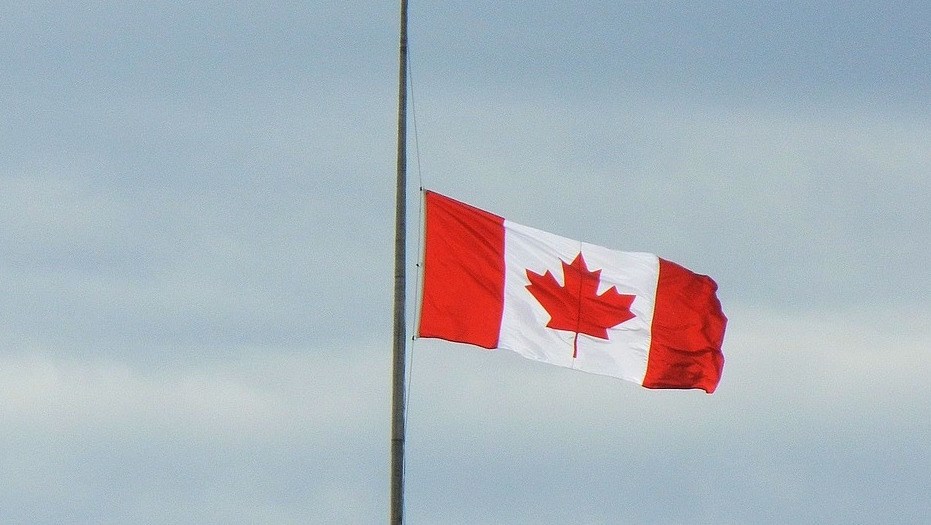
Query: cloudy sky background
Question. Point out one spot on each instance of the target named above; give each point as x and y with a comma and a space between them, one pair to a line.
196, 214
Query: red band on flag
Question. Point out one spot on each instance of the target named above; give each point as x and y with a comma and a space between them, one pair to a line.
687, 332
463, 273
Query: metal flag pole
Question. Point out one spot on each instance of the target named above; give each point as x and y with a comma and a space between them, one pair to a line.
400, 283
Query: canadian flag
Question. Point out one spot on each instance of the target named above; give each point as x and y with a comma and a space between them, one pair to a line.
496, 284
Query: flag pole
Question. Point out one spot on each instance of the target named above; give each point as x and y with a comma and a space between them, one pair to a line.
400, 240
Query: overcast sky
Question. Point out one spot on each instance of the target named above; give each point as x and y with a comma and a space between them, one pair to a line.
196, 257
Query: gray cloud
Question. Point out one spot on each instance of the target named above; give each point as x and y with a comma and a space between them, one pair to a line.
729, 53
196, 213
773, 203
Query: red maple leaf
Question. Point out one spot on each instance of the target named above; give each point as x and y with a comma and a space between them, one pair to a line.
576, 306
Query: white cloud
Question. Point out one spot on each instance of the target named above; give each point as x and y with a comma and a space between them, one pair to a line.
222, 435
814, 407
261, 395
270, 436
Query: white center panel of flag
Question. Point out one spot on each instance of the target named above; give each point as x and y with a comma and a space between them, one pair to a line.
524, 320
